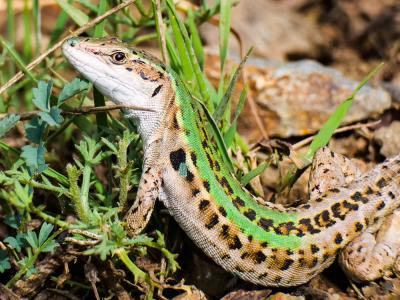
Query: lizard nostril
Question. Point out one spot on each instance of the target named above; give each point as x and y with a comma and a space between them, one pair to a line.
73, 41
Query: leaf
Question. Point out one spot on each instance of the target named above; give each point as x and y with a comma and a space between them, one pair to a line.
109, 145
21, 196
75, 13
71, 89
327, 130
187, 69
196, 40
230, 133
41, 95
32, 239
218, 138
228, 94
34, 158
188, 56
4, 261
17, 58
254, 173
35, 129
50, 246
13, 243
53, 117
30, 271
224, 29
7, 123
44, 232
99, 29
14, 221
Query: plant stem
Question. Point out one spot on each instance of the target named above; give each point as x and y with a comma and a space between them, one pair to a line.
87, 171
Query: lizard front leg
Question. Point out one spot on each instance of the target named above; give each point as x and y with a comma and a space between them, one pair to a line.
148, 192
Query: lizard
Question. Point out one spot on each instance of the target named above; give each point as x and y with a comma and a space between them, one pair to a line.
266, 244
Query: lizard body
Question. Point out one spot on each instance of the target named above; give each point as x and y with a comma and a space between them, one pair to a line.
265, 244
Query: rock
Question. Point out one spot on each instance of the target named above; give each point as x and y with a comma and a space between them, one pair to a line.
274, 31
297, 98
389, 138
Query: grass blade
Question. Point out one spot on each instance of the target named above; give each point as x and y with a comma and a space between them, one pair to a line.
224, 30
218, 138
99, 29
187, 70
327, 130
230, 133
17, 59
76, 14
196, 40
181, 33
254, 173
27, 48
37, 20
219, 113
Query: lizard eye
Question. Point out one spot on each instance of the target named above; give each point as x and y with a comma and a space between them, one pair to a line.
118, 57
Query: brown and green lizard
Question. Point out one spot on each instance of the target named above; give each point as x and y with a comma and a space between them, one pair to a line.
265, 244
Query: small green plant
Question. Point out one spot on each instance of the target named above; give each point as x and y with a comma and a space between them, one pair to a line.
26, 247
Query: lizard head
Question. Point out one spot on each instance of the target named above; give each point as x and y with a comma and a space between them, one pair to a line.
125, 75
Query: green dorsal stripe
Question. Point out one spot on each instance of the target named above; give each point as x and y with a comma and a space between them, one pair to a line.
189, 110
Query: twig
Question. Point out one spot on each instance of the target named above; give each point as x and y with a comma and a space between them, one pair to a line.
341, 129
79, 31
161, 25
80, 111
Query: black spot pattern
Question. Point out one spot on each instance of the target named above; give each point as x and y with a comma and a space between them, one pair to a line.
156, 90
177, 158
338, 238
250, 214
235, 243
204, 204
213, 221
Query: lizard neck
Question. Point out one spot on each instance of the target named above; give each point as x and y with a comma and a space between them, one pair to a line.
152, 124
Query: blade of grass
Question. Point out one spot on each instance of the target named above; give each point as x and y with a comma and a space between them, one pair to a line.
59, 28
174, 60
218, 137
27, 48
11, 31
141, 9
37, 21
230, 133
181, 32
89, 5
325, 133
195, 39
76, 14
254, 173
99, 29
328, 129
101, 118
187, 70
160, 27
224, 30
219, 112
17, 59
